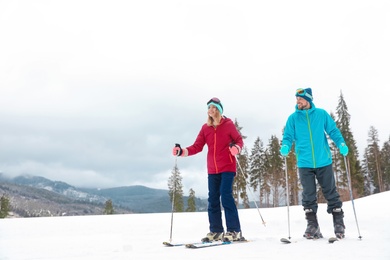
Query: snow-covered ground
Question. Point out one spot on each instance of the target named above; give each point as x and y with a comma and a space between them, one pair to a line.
140, 236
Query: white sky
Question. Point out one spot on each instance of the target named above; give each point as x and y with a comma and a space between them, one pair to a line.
140, 236
96, 93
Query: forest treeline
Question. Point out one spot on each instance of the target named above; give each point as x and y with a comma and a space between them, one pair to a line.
262, 169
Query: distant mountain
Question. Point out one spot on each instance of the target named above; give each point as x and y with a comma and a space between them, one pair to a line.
38, 196
57, 187
138, 198
28, 201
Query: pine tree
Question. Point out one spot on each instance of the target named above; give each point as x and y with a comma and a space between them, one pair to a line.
373, 160
368, 178
293, 180
4, 206
343, 123
241, 178
175, 187
385, 156
108, 208
276, 170
239, 184
266, 185
257, 170
338, 169
191, 202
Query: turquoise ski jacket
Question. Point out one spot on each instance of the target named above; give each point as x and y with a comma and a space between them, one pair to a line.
309, 129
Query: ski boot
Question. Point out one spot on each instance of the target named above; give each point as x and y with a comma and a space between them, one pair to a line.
213, 236
231, 236
312, 230
338, 222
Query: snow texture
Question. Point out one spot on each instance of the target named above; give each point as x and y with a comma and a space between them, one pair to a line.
140, 236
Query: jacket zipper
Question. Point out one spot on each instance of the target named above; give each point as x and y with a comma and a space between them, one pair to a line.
215, 149
311, 140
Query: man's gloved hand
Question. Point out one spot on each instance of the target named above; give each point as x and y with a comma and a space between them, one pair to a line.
284, 150
343, 149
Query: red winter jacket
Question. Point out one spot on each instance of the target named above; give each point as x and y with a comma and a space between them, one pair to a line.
218, 139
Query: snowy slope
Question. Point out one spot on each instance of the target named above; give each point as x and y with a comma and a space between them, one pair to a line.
140, 236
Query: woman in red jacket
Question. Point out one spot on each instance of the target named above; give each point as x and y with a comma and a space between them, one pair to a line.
224, 142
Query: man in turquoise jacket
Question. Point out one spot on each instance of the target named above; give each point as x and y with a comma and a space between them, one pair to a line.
308, 127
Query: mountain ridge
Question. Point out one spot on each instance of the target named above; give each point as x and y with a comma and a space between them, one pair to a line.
32, 196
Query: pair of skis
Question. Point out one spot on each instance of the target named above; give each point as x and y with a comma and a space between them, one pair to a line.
203, 244
331, 240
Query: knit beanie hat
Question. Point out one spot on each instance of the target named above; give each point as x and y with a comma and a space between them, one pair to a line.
217, 103
305, 93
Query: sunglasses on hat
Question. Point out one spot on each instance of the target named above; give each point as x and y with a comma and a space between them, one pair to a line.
303, 93
214, 100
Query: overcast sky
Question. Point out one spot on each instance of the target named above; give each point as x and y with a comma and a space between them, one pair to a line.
96, 93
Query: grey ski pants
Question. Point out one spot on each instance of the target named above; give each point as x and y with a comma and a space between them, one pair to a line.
325, 178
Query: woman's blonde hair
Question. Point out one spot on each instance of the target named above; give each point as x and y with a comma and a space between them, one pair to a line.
210, 120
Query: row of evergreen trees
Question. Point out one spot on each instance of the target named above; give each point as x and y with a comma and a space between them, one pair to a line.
263, 170
5, 207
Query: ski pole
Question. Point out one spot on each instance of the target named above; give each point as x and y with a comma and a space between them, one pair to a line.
173, 197
253, 196
287, 198
350, 193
